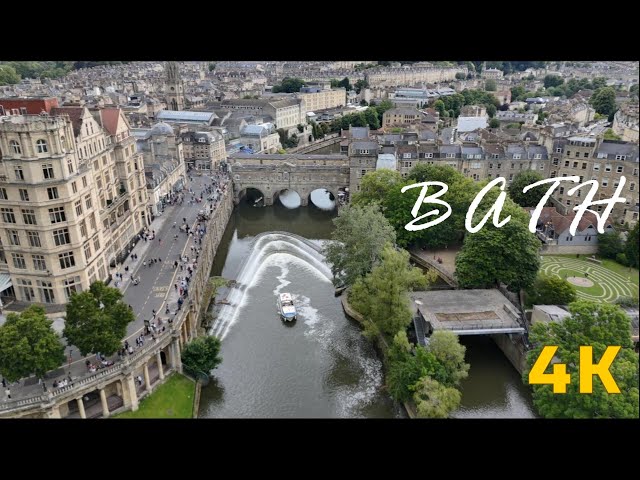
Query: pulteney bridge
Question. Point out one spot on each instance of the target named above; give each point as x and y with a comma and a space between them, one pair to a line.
273, 174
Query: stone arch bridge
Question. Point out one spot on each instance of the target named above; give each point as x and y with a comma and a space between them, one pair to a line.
273, 173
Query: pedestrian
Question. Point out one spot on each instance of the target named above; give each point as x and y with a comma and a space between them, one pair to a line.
144, 263
8, 393
4, 383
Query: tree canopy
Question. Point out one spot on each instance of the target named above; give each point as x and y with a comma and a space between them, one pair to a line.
599, 326
435, 400
631, 248
553, 81
533, 196
97, 319
29, 345
508, 254
604, 101
288, 85
551, 290
490, 85
382, 296
201, 355
357, 242
375, 186
610, 244
397, 206
8, 75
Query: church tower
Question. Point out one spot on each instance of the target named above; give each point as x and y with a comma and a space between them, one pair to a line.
174, 89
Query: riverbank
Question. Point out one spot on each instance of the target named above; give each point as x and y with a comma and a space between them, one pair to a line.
174, 399
382, 344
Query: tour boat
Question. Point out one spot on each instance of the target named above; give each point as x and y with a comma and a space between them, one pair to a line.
286, 308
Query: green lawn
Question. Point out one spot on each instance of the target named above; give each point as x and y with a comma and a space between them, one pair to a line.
632, 274
173, 399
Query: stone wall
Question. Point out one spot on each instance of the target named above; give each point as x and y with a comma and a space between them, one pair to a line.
568, 249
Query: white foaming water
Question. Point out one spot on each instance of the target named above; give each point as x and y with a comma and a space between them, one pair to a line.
350, 398
321, 199
290, 199
266, 245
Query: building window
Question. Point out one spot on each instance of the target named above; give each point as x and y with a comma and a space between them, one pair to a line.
3, 194
46, 291
364, 152
513, 165
74, 187
586, 155
406, 155
39, 262
575, 164
632, 187
499, 165
7, 215
619, 169
537, 156
577, 154
621, 157
14, 237
53, 193
558, 150
66, 260
450, 155
607, 167
34, 239
26, 289
92, 221
596, 167
87, 251
15, 146
18, 261
83, 228
70, 164
78, 206
24, 194
553, 174
19, 173
428, 155
29, 216
566, 163
96, 243
73, 285
584, 165
41, 146
84, 181
47, 171
61, 237
491, 165
568, 153
605, 182
57, 215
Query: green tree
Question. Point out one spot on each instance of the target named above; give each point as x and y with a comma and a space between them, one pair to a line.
533, 196
405, 368
397, 206
434, 400
289, 85
598, 82
490, 85
551, 290
212, 66
598, 326
371, 118
202, 354
553, 81
491, 111
631, 248
446, 348
29, 345
518, 93
610, 135
97, 319
375, 186
439, 106
382, 296
494, 123
8, 75
508, 254
358, 240
460, 76
604, 101
610, 244
360, 84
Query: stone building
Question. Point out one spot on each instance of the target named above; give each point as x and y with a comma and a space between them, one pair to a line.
174, 87
69, 199
316, 98
203, 150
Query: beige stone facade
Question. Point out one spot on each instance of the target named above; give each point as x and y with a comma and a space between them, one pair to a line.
323, 99
69, 199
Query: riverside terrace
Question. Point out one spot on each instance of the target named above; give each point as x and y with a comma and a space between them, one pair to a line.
465, 312
114, 389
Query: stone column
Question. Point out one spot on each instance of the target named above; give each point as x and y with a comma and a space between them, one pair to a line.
147, 381
176, 360
54, 412
129, 394
160, 369
105, 405
81, 407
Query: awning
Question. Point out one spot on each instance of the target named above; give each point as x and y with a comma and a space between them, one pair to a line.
5, 281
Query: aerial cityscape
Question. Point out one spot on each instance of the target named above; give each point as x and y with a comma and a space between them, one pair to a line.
246, 239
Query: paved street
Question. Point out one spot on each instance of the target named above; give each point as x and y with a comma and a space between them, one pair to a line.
156, 282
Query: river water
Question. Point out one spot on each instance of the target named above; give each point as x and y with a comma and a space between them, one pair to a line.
319, 366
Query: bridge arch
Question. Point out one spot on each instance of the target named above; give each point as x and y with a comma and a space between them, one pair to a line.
252, 195
324, 198
289, 197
